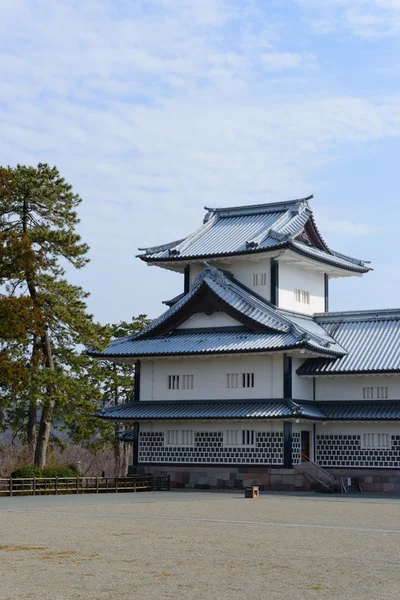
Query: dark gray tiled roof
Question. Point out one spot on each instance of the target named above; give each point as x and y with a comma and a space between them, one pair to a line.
280, 330
371, 338
347, 411
250, 229
255, 409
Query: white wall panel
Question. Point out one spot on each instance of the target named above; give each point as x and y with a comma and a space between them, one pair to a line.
302, 387
217, 319
291, 277
210, 378
350, 387
243, 270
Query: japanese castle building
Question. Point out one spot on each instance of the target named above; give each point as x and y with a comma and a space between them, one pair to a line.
247, 376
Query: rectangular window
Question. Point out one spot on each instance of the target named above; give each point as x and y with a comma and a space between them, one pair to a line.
173, 382
240, 380
183, 382
368, 393
178, 437
243, 437
259, 279
380, 392
377, 440
187, 382
302, 296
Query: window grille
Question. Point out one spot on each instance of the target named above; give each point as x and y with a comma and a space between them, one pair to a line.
377, 440
241, 437
240, 380
187, 382
179, 437
380, 392
259, 279
183, 382
368, 393
173, 382
302, 296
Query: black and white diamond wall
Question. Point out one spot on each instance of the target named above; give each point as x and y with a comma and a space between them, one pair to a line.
209, 448
296, 448
345, 450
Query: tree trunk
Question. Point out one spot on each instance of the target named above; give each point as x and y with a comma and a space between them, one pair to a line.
117, 451
47, 409
32, 410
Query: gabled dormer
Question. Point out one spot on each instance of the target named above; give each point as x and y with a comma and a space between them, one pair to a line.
274, 249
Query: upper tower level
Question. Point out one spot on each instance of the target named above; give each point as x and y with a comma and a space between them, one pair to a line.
275, 249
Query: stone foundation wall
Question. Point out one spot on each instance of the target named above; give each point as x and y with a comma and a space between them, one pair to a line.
209, 477
377, 480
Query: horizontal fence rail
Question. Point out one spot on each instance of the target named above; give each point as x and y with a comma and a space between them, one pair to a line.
33, 486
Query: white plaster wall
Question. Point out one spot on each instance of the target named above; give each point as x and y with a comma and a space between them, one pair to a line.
357, 428
217, 319
210, 377
302, 387
243, 270
350, 387
291, 277
225, 425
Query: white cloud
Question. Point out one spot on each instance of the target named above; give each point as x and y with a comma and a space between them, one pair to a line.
369, 19
153, 109
278, 61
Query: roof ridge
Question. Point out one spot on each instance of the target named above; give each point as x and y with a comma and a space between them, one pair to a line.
258, 207
382, 313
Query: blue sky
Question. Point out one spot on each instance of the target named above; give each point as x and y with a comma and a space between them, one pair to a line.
152, 109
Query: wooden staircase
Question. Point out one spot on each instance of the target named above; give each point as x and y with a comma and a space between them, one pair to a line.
318, 477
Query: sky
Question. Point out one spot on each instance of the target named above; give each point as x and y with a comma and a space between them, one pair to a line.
153, 109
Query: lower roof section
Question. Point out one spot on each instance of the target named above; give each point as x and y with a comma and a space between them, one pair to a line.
254, 409
216, 409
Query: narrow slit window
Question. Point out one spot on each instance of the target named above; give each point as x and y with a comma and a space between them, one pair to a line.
179, 437
180, 382
259, 279
379, 441
302, 296
240, 380
368, 393
241, 437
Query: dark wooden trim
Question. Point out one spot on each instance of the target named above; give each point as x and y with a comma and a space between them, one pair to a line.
314, 442
314, 236
136, 392
274, 282
287, 445
326, 285
135, 442
136, 396
287, 377
186, 285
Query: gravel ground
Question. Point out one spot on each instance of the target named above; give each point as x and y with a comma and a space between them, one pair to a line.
187, 546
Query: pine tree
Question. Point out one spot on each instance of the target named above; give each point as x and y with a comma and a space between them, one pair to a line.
42, 316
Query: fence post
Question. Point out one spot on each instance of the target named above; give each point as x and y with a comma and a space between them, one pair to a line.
34, 486
77, 485
11, 489
97, 485
134, 485
116, 485
56, 486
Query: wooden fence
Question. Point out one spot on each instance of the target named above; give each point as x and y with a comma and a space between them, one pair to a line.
36, 486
